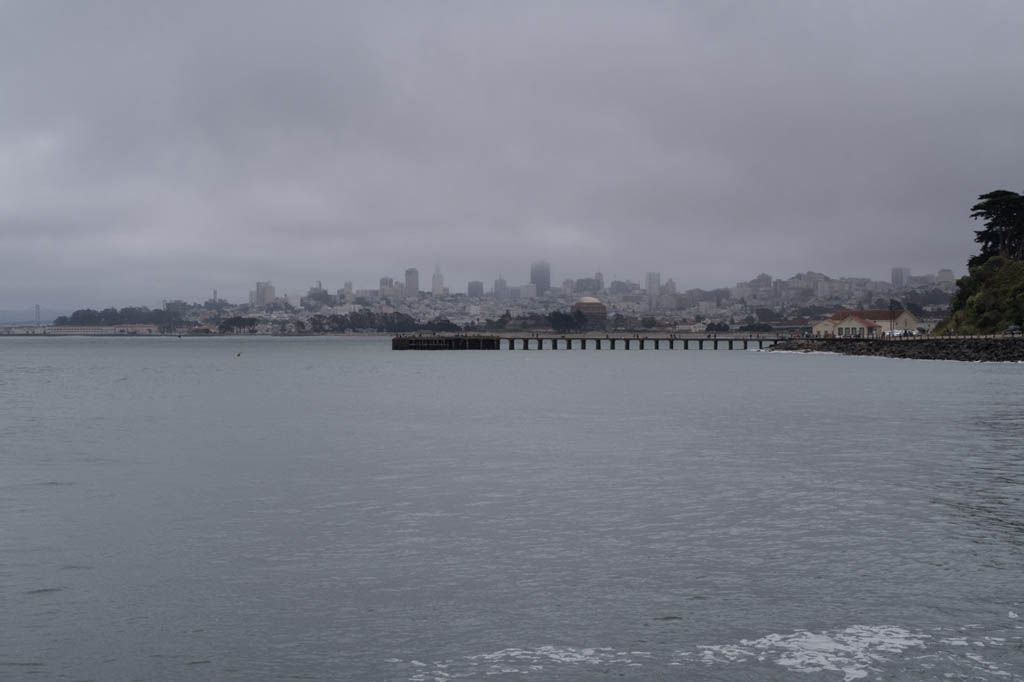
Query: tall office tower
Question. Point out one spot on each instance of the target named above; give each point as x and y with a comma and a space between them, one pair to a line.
540, 277
412, 283
900, 277
214, 295
386, 285
653, 290
528, 291
567, 286
475, 289
265, 293
500, 289
600, 280
437, 282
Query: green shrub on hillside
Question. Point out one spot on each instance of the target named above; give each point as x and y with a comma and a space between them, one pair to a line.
989, 299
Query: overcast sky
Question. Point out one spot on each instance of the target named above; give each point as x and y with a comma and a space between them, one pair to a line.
161, 150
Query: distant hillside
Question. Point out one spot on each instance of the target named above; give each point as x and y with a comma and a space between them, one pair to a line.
988, 300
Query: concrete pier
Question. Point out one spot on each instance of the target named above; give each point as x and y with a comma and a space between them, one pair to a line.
534, 340
446, 343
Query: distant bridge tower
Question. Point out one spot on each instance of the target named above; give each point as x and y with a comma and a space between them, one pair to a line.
37, 314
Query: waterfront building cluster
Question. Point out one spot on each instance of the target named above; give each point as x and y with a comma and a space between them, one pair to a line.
794, 304
802, 298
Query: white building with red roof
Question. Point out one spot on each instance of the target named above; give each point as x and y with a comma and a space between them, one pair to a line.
865, 323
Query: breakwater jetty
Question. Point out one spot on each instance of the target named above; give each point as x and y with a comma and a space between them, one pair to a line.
966, 348
594, 341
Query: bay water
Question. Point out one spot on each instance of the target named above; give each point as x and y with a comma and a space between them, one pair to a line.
252, 508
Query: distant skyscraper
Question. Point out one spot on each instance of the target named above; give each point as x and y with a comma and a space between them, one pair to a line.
600, 280
437, 282
568, 286
900, 276
475, 289
653, 290
528, 291
264, 294
500, 289
412, 283
540, 277
386, 285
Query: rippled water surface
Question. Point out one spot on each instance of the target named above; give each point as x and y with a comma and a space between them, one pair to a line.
327, 509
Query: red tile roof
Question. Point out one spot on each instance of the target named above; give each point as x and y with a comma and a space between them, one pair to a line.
862, 320
875, 315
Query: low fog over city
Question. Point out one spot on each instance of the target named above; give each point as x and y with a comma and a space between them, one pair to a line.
160, 151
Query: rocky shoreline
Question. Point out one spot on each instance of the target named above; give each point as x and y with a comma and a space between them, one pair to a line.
980, 349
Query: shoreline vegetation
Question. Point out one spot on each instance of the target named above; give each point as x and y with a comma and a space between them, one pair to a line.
990, 298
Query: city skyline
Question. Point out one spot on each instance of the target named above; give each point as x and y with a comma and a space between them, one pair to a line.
502, 290
401, 286
787, 301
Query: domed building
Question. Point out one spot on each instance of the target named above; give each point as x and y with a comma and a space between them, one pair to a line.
594, 312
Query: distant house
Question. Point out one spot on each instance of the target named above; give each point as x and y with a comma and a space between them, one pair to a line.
864, 323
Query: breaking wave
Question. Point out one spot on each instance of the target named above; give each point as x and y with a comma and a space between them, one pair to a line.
853, 653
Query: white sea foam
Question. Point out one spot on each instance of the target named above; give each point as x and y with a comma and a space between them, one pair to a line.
854, 652
523, 661
552, 654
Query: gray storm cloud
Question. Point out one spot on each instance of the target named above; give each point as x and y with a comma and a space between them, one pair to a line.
160, 150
